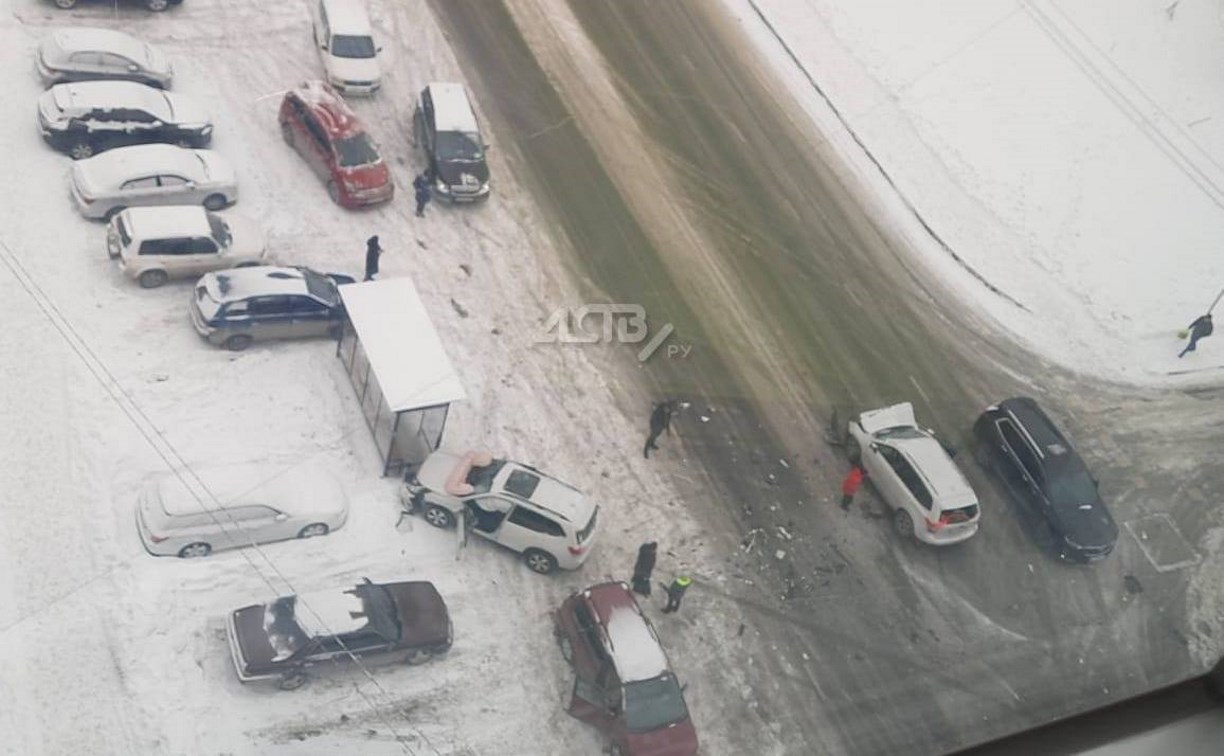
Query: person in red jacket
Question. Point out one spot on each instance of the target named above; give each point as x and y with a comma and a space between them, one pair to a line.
850, 485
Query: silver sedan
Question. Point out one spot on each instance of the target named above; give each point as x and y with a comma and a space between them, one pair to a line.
151, 174
87, 54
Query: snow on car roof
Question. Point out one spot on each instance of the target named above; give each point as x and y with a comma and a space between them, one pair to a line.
264, 280
897, 415
93, 39
298, 490
113, 167
554, 495
331, 612
636, 651
452, 109
108, 95
931, 460
401, 344
167, 220
347, 17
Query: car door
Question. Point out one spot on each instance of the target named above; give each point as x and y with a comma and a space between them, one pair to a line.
487, 512
525, 528
310, 317
271, 317
83, 65
117, 67
200, 254
135, 126
880, 472
428, 135
174, 189
318, 150
915, 491
255, 523
142, 190
1014, 452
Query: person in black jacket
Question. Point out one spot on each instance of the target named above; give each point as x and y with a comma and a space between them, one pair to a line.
372, 253
643, 567
1199, 329
660, 421
423, 193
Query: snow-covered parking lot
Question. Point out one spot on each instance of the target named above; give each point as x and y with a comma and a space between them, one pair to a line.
104, 649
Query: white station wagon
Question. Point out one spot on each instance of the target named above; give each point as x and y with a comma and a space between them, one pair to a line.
151, 174
248, 504
87, 54
914, 474
155, 244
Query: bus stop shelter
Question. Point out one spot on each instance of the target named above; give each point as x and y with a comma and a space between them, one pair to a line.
395, 361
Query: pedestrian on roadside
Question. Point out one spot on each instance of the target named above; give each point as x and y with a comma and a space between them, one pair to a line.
1199, 329
423, 193
372, 253
643, 567
675, 592
850, 485
660, 421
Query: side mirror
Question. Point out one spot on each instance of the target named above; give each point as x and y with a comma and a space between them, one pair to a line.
191, 185
377, 49
323, 45
281, 517
133, 67
487, 147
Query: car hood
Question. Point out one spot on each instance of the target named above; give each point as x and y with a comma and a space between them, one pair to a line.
219, 169
157, 64
436, 469
187, 111
461, 174
898, 415
423, 616
1089, 524
677, 739
253, 644
367, 176
247, 236
353, 69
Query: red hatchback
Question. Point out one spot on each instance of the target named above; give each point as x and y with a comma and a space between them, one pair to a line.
623, 682
316, 122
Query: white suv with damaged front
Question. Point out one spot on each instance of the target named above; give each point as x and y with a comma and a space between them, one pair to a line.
914, 474
550, 523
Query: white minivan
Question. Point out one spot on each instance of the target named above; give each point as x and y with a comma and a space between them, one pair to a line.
346, 44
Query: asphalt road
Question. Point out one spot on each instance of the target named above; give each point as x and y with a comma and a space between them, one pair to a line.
683, 178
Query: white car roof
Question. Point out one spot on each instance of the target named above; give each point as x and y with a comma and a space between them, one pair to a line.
334, 611
264, 280
948, 486
90, 95
347, 17
636, 651
76, 39
552, 494
168, 220
452, 109
111, 168
300, 490
898, 415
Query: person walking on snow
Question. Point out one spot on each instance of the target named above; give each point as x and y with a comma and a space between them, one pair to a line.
423, 193
660, 421
643, 567
675, 592
1199, 329
850, 485
372, 253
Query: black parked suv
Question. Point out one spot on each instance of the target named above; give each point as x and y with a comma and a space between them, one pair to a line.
1019, 442
444, 125
88, 117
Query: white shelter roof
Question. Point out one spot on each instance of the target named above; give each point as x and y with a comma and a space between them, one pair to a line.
399, 339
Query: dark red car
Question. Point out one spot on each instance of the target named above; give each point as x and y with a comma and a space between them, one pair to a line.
623, 682
316, 122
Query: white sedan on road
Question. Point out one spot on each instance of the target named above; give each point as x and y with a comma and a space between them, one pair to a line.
237, 506
914, 474
151, 174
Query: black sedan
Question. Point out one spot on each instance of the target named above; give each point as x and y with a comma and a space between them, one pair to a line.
1020, 443
282, 641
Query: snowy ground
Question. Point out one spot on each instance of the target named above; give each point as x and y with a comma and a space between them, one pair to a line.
1070, 153
105, 649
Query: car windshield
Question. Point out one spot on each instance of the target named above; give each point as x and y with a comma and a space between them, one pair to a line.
124, 236
284, 634
481, 478
380, 610
320, 286
1073, 489
901, 431
348, 46
356, 150
459, 147
220, 229
651, 704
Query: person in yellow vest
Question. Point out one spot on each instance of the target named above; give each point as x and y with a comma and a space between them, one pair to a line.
675, 592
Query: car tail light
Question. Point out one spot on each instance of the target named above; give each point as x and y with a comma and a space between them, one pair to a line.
577, 550
937, 525
157, 538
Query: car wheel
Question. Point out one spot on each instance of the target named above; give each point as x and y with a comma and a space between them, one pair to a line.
110, 214
854, 451
215, 202
194, 551
417, 656
157, 5
540, 561
333, 191
903, 524
237, 342
81, 150
291, 680
438, 516
65, 4
151, 279
314, 529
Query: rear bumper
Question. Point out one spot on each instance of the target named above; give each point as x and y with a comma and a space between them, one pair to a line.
947, 536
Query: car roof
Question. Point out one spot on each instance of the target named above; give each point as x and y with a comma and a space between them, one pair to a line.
108, 95
297, 491
1033, 420
87, 38
113, 167
258, 281
334, 114
452, 108
166, 220
948, 485
347, 17
632, 643
331, 611
553, 495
